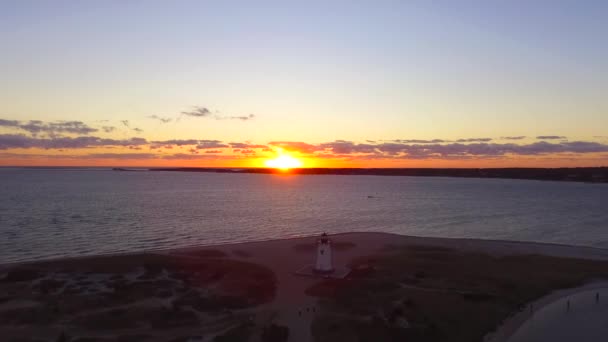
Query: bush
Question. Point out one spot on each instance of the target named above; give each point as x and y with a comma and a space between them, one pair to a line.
239, 333
275, 333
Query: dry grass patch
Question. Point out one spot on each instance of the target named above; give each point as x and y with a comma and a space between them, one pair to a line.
444, 294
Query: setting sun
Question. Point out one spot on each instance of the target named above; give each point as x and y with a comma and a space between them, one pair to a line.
283, 162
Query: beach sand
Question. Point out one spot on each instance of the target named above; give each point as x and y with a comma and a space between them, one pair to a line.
518, 319
291, 305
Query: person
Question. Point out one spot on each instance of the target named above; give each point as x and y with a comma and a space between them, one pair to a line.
597, 297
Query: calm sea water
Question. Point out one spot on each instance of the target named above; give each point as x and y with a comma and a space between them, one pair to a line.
54, 213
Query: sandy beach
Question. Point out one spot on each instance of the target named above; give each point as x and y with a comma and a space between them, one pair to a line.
291, 295
292, 305
516, 321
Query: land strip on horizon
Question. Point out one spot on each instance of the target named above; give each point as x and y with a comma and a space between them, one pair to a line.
578, 174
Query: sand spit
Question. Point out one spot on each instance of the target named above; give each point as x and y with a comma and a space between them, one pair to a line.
249, 291
515, 321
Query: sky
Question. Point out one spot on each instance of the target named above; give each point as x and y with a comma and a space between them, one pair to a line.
333, 83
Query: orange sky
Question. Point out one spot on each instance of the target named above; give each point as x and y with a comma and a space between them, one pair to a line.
39, 157
331, 164
377, 84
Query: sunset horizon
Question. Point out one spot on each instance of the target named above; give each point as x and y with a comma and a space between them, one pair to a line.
303, 171
75, 143
331, 85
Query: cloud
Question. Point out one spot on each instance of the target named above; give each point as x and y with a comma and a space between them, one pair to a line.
75, 127
584, 147
345, 150
458, 150
157, 147
392, 150
36, 127
28, 135
8, 141
178, 142
15, 141
120, 156
440, 141
200, 144
185, 156
210, 144
348, 147
9, 123
159, 118
474, 140
109, 156
242, 118
246, 145
550, 137
128, 125
295, 146
420, 141
204, 112
198, 111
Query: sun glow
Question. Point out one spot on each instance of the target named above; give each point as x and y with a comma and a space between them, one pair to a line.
283, 162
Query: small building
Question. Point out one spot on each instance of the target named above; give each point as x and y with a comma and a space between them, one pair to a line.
324, 263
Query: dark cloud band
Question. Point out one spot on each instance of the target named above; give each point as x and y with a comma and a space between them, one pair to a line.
36, 126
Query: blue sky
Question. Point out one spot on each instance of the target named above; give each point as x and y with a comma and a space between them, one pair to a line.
311, 71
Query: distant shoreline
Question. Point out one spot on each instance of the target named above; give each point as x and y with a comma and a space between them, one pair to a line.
582, 174
565, 174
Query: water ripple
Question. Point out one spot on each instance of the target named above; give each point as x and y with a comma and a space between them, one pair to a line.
57, 213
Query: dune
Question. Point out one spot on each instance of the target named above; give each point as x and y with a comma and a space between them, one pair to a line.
251, 289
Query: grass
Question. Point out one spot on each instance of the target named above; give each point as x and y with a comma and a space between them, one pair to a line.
239, 333
168, 294
443, 294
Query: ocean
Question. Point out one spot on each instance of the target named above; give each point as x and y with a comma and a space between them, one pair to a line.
50, 213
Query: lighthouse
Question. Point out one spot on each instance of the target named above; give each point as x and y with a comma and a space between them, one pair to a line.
324, 263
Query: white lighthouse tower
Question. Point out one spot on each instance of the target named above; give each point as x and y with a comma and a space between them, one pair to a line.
324, 263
